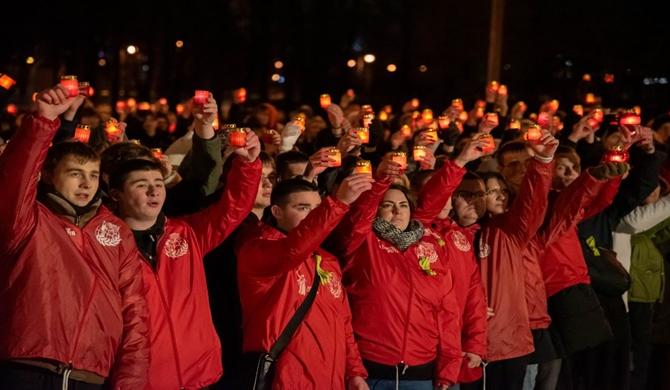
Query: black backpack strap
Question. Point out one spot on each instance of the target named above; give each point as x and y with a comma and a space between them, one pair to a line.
295, 321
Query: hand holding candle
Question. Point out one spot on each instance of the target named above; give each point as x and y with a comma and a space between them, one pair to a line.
389, 168
252, 145
533, 134
399, 158
546, 147
53, 102
200, 97
70, 84
353, 186
489, 122
363, 133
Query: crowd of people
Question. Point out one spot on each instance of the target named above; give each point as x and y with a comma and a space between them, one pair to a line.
335, 246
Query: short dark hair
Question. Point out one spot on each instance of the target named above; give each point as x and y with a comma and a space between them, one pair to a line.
80, 151
121, 172
287, 187
510, 147
120, 152
570, 153
291, 157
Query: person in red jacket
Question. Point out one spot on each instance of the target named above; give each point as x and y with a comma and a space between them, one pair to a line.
405, 312
72, 307
277, 265
504, 236
457, 223
185, 349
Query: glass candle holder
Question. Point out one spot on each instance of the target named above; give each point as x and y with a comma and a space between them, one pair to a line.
335, 157
400, 158
82, 133
200, 97
419, 153
364, 167
70, 84
237, 137
324, 100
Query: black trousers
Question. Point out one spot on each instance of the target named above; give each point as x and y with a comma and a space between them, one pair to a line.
15, 376
640, 325
659, 374
507, 374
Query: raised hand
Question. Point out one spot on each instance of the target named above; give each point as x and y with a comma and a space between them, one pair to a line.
204, 118
547, 146
472, 150
318, 162
607, 171
353, 186
53, 101
252, 148
388, 170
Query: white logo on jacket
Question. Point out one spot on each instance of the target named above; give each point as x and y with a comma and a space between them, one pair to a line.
386, 247
427, 250
460, 241
108, 234
70, 232
484, 249
335, 286
175, 246
302, 283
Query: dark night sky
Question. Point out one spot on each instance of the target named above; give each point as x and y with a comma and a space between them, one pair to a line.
233, 43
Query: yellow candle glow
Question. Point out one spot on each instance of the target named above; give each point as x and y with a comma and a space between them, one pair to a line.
363, 166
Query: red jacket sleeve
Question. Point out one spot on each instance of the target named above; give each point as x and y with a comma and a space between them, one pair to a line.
20, 166
132, 358
449, 356
604, 198
524, 218
570, 205
283, 255
437, 191
354, 362
473, 336
357, 224
213, 224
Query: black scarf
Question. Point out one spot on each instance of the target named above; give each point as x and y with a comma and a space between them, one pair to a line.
146, 240
401, 239
54, 201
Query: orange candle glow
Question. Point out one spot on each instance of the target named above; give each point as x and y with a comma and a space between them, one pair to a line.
12, 109
383, 116
200, 97
590, 98
70, 84
463, 116
157, 153
364, 134
514, 124
502, 90
427, 115
163, 101
414, 103
406, 131
533, 134
6, 82
368, 118
617, 154
121, 106
578, 109
630, 118
144, 106
324, 101
335, 157
492, 118
85, 89
443, 121
363, 166
179, 108
479, 112
419, 152
240, 95
432, 135
400, 158
543, 120
366, 108
82, 133
112, 128
490, 144
494, 86
237, 138
132, 103
457, 104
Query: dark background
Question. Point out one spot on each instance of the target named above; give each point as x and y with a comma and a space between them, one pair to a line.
547, 47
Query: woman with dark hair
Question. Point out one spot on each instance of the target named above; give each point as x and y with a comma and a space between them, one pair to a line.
405, 315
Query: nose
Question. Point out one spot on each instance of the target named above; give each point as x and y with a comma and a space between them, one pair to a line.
85, 182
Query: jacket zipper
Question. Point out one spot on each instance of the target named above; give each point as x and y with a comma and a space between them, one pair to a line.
167, 314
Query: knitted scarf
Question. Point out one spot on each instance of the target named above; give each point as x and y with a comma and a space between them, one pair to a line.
401, 239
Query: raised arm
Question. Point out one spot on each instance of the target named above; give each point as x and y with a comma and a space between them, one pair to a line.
20, 167
646, 217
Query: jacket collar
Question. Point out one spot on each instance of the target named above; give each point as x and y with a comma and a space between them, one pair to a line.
60, 206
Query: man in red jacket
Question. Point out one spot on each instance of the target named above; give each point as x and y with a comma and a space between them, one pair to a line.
71, 302
277, 265
185, 349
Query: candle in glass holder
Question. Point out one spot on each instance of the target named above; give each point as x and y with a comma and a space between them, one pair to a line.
492, 118
400, 158
200, 98
85, 88
237, 138
268, 137
514, 124
629, 118
335, 157
163, 101
363, 133
324, 101
6, 82
82, 133
71, 85
443, 121
457, 104
179, 109
240, 95
502, 90
419, 152
494, 86
12, 109
543, 120
489, 143
598, 115
590, 98
534, 133
366, 108
132, 103
157, 153
383, 116
406, 131
112, 128
368, 118
637, 110
479, 112
616, 154
463, 116
414, 103
144, 106
432, 134
427, 115
363, 166
578, 109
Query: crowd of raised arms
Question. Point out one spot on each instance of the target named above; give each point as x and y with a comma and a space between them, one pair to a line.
480, 244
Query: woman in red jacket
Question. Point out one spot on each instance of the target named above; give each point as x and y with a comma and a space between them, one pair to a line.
504, 237
405, 312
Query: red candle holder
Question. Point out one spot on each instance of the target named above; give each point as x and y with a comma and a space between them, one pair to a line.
543, 120
112, 128
419, 152
267, 137
427, 115
578, 109
335, 157
237, 138
71, 85
364, 167
240, 95
489, 143
502, 90
85, 89
6, 82
157, 153
366, 108
163, 101
121, 106
598, 115
443, 121
12, 109
82, 133
534, 134
457, 104
364, 134
630, 119
324, 100
400, 158
200, 98
494, 86
617, 154
414, 103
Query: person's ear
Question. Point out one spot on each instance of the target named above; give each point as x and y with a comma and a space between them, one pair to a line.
277, 212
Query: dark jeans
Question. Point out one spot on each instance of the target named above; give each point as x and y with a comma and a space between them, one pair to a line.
506, 374
640, 326
659, 374
16, 376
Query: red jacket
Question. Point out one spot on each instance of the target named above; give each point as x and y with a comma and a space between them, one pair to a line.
503, 240
563, 263
568, 210
400, 312
185, 349
67, 293
458, 244
275, 272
